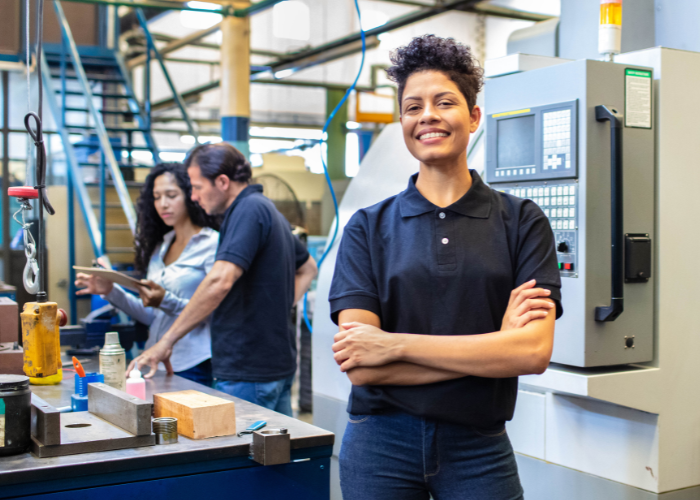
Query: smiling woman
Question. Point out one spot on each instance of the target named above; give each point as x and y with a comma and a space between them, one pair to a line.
434, 291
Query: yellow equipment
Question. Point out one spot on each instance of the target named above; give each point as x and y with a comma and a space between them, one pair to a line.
41, 341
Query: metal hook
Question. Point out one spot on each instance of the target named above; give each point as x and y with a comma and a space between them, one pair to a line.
31, 269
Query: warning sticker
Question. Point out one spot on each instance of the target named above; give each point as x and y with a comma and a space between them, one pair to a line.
2, 423
637, 98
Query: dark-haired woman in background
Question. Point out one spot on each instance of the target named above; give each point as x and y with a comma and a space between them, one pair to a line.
176, 245
434, 294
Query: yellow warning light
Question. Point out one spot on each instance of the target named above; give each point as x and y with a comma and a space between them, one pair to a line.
610, 30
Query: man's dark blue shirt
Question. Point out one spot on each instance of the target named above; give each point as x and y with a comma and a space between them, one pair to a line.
443, 271
251, 334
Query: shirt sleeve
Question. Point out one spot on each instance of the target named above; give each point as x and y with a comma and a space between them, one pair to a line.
130, 304
246, 232
174, 305
301, 254
354, 285
537, 257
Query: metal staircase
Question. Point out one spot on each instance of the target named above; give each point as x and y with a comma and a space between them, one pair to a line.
105, 132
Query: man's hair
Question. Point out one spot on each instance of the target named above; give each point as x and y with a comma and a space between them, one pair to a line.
220, 159
429, 52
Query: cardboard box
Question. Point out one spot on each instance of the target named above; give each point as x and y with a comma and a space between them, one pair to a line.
11, 360
9, 320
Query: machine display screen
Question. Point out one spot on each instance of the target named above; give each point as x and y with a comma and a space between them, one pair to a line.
516, 142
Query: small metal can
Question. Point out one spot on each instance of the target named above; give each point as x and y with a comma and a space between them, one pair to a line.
15, 414
165, 429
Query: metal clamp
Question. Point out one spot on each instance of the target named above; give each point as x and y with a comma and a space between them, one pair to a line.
31, 269
271, 447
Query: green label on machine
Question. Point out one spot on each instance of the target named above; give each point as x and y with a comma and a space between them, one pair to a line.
637, 98
2, 423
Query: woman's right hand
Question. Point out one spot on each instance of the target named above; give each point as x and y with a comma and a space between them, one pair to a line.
92, 285
526, 303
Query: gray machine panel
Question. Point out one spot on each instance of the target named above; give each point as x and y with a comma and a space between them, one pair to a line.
580, 86
532, 143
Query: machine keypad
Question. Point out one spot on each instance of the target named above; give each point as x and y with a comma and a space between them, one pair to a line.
559, 205
557, 140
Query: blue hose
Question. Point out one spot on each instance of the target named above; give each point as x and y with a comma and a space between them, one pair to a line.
329, 245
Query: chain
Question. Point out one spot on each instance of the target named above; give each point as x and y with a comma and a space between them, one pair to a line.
31, 269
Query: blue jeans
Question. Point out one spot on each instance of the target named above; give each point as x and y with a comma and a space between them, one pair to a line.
275, 395
397, 456
200, 373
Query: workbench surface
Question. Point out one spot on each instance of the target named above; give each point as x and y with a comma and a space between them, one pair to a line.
203, 455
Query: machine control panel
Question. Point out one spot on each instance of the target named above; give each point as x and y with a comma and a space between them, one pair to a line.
559, 202
537, 143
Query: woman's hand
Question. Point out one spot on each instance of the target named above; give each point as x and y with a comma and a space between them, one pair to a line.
152, 294
365, 345
526, 304
92, 285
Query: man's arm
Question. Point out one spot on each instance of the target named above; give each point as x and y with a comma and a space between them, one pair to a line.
399, 373
209, 294
303, 278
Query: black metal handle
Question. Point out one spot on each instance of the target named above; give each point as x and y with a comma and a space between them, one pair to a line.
617, 305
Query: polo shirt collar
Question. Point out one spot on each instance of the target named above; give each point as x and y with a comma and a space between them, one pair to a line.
475, 203
247, 191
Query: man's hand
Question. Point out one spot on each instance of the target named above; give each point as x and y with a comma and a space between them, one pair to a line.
151, 357
365, 345
526, 304
152, 294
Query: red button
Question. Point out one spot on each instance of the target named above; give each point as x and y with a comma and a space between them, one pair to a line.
568, 266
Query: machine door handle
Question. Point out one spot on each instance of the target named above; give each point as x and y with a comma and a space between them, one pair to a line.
611, 312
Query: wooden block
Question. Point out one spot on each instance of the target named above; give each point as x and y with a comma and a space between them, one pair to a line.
83, 432
198, 415
9, 320
46, 422
124, 410
11, 359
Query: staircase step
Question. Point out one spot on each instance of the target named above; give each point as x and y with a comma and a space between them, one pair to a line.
121, 250
109, 129
114, 146
103, 111
121, 165
92, 78
97, 94
108, 205
133, 184
118, 227
54, 60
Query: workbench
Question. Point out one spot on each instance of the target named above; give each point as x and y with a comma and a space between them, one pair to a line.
217, 467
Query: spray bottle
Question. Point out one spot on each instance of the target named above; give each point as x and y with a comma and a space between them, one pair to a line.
113, 362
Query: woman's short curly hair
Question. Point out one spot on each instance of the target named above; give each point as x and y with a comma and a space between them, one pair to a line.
430, 52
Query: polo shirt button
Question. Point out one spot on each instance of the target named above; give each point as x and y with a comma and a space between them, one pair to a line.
442, 215
445, 241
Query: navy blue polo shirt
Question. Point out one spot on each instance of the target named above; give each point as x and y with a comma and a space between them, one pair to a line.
252, 337
443, 271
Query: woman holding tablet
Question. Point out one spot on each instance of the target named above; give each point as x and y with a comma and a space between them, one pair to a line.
176, 245
434, 291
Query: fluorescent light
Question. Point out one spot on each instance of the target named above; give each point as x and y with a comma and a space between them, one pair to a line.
203, 5
261, 146
287, 133
204, 139
284, 73
187, 139
353, 125
172, 156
